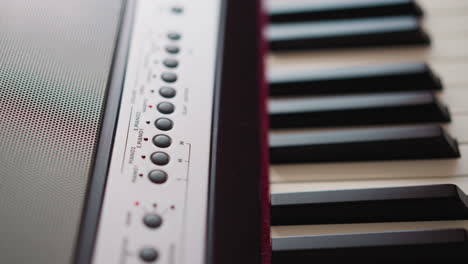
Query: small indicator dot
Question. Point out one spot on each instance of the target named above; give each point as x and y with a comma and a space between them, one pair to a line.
172, 207
141, 175
145, 139
148, 122
155, 205
152, 91
150, 106
137, 203
143, 157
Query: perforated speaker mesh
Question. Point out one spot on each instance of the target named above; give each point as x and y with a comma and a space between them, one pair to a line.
55, 59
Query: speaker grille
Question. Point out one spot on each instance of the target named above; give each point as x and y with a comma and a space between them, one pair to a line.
55, 59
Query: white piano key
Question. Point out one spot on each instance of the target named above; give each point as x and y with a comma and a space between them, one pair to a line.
453, 73
459, 128
439, 8
456, 99
446, 26
451, 51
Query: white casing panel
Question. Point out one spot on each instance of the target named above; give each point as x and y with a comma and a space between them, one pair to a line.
182, 200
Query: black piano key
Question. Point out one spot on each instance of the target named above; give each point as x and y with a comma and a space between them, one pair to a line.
363, 144
351, 110
397, 204
385, 31
325, 10
431, 246
373, 78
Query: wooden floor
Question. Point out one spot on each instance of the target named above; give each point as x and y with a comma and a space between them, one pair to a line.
446, 21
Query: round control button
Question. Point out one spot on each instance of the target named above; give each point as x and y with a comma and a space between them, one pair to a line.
169, 77
160, 158
170, 63
149, 254
166, 108
162, 141
152, 220
167, 92
172, 49
173, 36
157, 176
164, 124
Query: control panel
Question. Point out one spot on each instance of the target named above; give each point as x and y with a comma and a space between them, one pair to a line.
156, 196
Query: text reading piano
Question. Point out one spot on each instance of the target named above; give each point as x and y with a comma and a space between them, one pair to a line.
136, 131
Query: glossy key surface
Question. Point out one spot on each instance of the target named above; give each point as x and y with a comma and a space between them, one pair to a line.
353, 79
434, 246
363, 144
346, 33
352, 110
398, 204
333, 9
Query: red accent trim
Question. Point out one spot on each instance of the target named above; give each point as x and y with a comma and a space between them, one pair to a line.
265, 183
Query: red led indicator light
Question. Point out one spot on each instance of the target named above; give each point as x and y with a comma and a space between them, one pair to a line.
137, 203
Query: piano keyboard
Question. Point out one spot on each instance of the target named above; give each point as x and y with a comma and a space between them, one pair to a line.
369, 130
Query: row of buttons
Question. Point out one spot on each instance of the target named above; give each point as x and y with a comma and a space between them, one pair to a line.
159, 158
165, 124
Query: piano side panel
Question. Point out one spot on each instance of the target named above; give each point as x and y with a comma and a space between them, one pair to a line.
264, 127
235, 210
